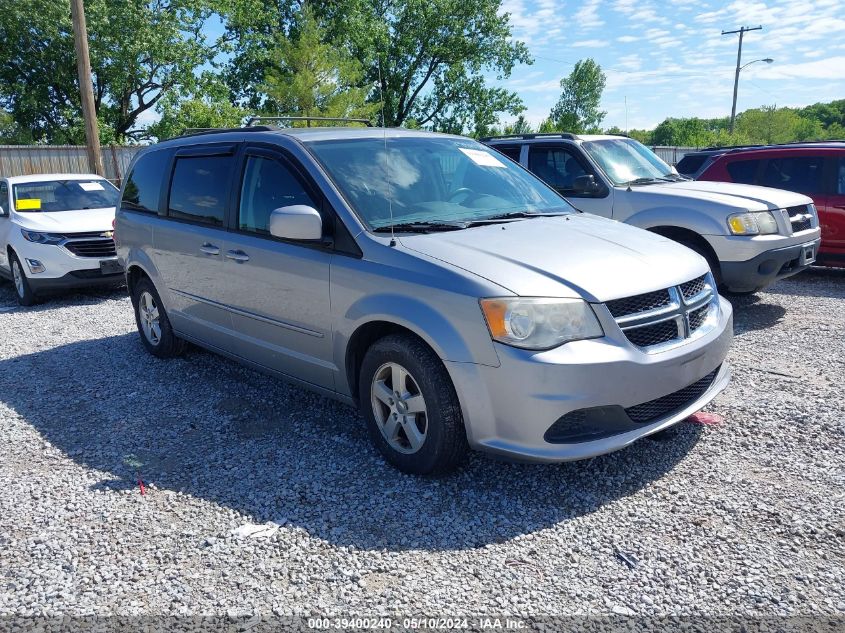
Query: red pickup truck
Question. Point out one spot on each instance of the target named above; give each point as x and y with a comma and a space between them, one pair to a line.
814, 169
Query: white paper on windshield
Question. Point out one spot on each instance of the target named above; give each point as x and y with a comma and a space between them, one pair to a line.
91, 186
480, 157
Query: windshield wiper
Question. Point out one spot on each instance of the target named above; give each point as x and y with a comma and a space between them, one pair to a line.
514, 215
421, 227
643, 181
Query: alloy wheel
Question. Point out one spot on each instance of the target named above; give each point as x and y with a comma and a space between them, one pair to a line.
149, 318
399, 408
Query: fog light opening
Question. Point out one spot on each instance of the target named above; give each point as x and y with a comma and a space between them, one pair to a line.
35, 266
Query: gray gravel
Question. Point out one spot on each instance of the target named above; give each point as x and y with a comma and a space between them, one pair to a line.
746, 517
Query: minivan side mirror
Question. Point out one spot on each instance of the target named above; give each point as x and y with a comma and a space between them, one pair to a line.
586, 184
296, 222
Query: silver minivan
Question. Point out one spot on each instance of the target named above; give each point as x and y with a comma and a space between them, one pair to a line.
450, 294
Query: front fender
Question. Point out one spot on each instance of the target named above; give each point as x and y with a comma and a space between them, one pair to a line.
442, 334
680, 217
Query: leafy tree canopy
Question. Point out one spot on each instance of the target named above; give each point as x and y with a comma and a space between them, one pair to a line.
140, 51
577, 110
312, 77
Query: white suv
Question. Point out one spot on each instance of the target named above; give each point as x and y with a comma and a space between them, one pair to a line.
56, 231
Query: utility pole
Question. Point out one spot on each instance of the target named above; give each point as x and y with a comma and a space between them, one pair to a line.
742, 31
86, 89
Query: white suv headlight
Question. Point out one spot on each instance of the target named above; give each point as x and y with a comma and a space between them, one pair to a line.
41, 238
758, 223
539, 323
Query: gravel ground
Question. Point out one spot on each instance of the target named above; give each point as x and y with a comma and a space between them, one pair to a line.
742, 518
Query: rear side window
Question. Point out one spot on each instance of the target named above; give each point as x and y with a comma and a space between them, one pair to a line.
198, 189
143, 185
743, 171
511, 151
268, 185
799, 173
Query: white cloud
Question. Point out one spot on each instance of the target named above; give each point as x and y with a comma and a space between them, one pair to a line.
588, 44
627, 38
587, 16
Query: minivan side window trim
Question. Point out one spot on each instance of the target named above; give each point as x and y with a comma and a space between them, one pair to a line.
199, 151
340, 239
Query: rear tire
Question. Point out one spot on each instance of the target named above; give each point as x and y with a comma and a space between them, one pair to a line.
412, 411
153, 325
23, 291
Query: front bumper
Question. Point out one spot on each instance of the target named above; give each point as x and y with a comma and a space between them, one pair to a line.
90, 278
509, 409
766, 268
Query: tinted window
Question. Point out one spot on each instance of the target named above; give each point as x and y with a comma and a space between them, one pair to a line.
143, 185
64, 195
557, 167
743, 171
4, 198
198, 189
691, 163
840, 177
511, 151
799, 173
267, 185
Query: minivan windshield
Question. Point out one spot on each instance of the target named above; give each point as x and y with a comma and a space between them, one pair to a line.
63, 195
427, 180
626, 161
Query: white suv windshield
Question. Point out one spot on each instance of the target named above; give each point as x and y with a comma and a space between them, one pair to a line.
626, 161
429, 179
63, 195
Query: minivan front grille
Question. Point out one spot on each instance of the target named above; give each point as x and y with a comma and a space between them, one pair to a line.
662, 317
800, 218
638, 303
103, 247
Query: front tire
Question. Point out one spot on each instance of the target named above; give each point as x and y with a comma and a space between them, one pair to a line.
411, 407
153, 325
23, 291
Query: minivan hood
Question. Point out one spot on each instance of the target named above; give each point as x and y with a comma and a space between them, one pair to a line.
82, 221
729, 194
578, 255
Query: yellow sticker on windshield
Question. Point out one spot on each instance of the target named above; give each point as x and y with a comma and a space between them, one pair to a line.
28, 204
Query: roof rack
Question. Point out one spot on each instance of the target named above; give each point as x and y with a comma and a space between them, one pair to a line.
521, 137
198, 131
730, 148
253, 119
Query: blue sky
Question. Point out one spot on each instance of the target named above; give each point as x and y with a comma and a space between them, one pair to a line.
669, 58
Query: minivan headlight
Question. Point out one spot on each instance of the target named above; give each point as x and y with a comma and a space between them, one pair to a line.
760, 223
539, 323
40, 238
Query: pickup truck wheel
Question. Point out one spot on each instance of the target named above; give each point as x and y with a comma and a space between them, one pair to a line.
411, 407
23, 291
153, 325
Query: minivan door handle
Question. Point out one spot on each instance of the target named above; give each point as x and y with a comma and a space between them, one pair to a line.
210, 249
238, 256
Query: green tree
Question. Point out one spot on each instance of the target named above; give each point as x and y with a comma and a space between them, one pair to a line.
577, 110
546, 126
430, 59
11, 133
311, 77
209, 107
520, 126
140, 50
771, 124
